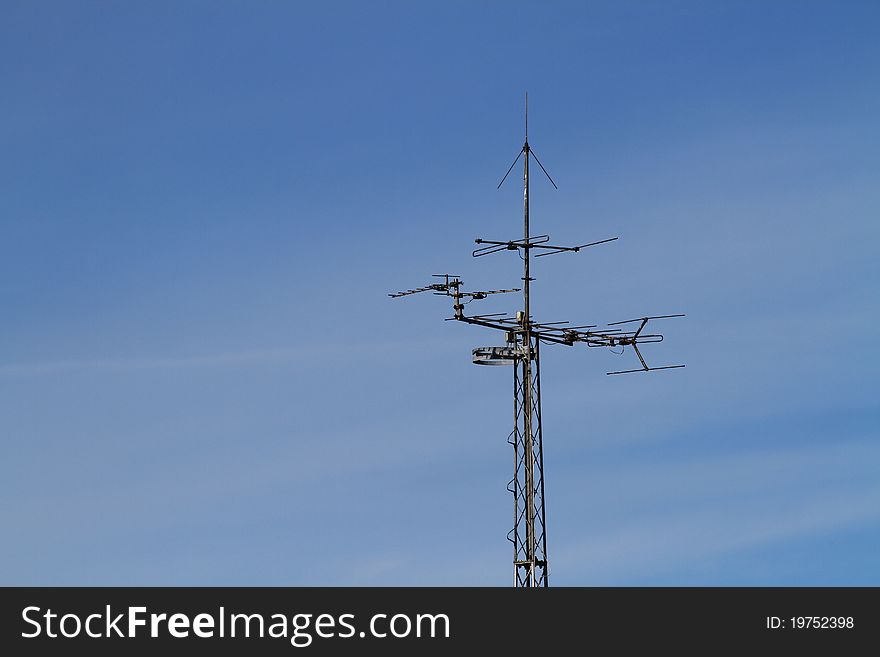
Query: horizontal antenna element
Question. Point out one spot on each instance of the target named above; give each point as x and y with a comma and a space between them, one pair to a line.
539, 242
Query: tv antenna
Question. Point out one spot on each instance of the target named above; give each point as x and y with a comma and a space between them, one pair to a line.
523, 338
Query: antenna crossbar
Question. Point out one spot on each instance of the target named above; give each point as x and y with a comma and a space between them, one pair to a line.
539, 242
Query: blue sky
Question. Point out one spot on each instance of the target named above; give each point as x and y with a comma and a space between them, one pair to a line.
204, 204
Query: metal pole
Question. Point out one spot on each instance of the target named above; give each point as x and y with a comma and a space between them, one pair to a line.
527, 372
545, 574
515, 481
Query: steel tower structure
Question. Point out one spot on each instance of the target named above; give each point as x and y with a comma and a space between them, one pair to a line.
523, 338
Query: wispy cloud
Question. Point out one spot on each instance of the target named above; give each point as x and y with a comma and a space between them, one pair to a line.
235, 358
52, 367
672, 542
671, 515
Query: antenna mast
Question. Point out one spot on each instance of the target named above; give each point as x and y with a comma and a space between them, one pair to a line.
523, 338
530, 557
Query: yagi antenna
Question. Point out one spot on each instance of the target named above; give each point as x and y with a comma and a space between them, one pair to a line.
451, 287
635, 338
523, 337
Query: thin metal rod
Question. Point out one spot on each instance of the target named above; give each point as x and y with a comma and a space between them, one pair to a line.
545, 569
487, 250
639, 319
553, 250
516, 491
650, 369
544, 170
518, 155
